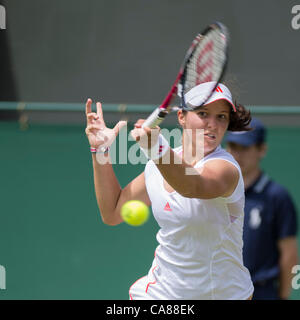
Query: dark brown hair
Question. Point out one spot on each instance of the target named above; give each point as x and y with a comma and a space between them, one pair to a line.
239, 120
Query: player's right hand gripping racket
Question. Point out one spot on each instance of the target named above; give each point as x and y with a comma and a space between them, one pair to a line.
205, 61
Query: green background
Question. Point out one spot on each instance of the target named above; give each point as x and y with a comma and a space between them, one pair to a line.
53, 243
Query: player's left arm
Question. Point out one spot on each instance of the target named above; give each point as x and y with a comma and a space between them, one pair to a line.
288, 258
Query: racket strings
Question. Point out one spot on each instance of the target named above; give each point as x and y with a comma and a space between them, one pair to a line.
207, 61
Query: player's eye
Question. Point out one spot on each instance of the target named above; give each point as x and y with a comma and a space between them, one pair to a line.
223, 116
202, 114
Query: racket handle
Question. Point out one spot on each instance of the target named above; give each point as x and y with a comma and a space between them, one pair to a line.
155, 118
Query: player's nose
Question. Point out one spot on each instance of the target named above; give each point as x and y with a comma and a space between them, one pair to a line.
212, 123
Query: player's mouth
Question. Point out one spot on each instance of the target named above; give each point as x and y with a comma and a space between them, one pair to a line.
210, 136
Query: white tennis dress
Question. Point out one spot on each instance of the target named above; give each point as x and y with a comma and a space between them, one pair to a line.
199, 255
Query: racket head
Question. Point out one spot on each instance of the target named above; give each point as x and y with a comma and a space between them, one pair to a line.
209, 50
205, 62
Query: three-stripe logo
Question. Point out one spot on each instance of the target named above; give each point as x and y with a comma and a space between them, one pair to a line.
218, 89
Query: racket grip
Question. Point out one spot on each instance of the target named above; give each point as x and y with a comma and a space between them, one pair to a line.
155, 118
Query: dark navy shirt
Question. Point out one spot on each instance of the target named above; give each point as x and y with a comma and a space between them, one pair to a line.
270, 215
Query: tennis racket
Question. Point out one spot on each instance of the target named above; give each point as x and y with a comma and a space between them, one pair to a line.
205, 61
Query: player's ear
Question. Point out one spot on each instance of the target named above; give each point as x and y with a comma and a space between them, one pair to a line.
181, 117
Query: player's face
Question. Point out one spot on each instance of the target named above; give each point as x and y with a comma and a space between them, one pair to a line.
248, 157
212, 118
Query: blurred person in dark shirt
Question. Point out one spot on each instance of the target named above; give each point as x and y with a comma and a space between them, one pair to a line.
270, 224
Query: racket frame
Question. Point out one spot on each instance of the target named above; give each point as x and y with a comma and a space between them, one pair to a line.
160, 113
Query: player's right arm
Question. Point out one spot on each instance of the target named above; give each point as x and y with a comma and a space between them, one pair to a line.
109, 194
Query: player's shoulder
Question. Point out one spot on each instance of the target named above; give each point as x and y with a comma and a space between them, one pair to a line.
223, 155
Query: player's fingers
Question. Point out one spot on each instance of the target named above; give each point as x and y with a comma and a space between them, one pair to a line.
99, 110
88, 106
119, 126
147, 130
95, 126
139, 123
136, 133
152, 131
154, 128
92, 116
100, 114
92, 127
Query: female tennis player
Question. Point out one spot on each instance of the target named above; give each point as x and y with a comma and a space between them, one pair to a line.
198, 203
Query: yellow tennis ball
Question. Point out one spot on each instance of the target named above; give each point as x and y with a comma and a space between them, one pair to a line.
135, 212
